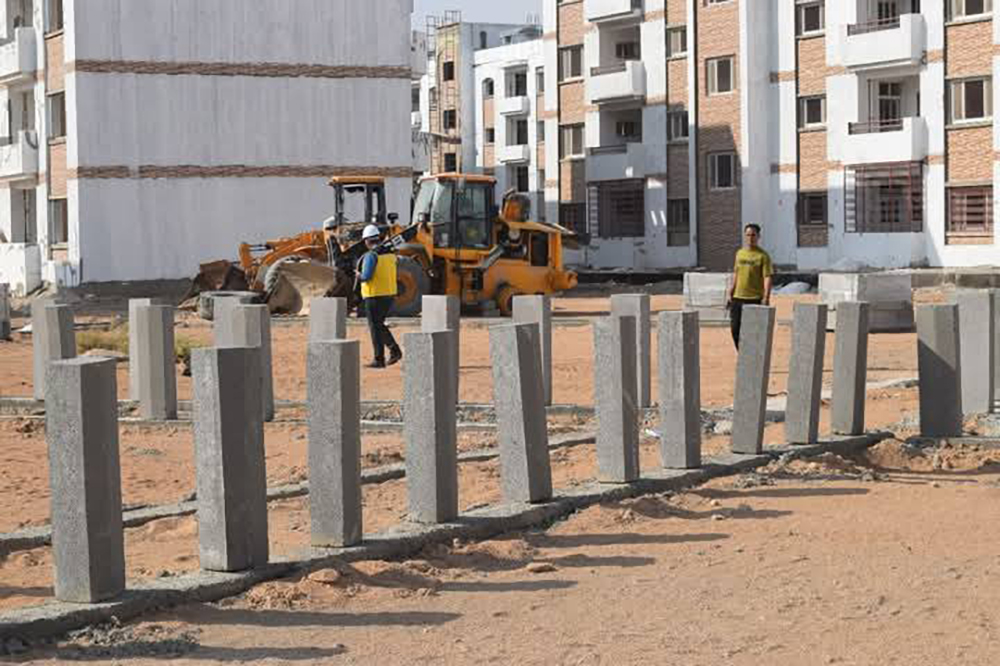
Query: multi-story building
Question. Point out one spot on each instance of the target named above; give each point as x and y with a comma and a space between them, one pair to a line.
859, 130
145, 137
510, 140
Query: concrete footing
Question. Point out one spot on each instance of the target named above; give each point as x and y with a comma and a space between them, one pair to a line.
229, 451
679, 385
85, 479
334, 388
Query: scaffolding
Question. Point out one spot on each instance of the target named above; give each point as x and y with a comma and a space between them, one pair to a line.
443, 40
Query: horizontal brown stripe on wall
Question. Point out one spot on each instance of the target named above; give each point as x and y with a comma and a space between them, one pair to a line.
233, 171
258, 69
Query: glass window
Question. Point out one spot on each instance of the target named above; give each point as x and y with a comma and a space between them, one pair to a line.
571, 141
812, 112
723, 171
57, 115
963, 8
471, 209
677, 41
971, 99
678, 223
720, 76
970, 210
809, 18
677, 126
570, 62
448, 71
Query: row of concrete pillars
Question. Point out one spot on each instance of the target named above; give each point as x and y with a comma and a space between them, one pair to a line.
233, 397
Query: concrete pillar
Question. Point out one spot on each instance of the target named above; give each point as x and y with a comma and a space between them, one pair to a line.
977, 319
134, 371
939, 365
615, 398
327, 319
334, 398
753, 370
444, 313
538, 310
525, 470
637, 306
996, 345
229, 458
429, 397
156, 360
52, 338
81, 426
805, 373
4, 312
679, 385
238, 325
850, 368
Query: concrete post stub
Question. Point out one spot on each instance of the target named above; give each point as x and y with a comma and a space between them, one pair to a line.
334, 399
52, 338
81, 416
753, 370
444, 313
538, 310
155, 361
977, 319
229, 458
850, 368
615, 400
638, 306
327, 319
679, 385
134, 372
525, 469
429, 398
4, 311
238, 325
805, 373
939, 365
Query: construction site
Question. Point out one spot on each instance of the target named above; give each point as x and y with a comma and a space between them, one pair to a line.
587, 448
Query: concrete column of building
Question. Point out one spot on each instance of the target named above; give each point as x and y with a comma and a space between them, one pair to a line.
134, 372
939, 366
805, 373
4, 312
679, 385
52, 339
429, 397
444, 313
327, 319
638, 307
976, 325
525, 469
239, 325
81, 426
334, 399
753, 370
229, 458
615, 399
538, 310
155, 360
850, 368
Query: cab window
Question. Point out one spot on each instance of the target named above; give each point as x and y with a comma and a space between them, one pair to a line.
472, 209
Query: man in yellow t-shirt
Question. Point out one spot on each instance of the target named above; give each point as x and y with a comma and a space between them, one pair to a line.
751, 285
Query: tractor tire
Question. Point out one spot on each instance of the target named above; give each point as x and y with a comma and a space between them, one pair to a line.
412, 282
505, 300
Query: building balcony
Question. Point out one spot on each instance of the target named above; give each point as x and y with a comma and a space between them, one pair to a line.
617, 83
416, 120
903, 140
890, 42
612, 10
18, 58
616, 162
19, 159
511, 154
513, 106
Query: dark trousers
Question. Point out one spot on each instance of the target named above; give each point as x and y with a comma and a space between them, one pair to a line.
736, 316
377, 309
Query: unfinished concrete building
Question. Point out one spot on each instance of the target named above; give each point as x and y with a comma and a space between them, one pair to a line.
147, 136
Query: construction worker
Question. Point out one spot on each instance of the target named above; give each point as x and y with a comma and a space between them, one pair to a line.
377, 274
751, 285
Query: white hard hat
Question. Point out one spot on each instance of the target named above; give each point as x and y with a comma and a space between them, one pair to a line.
371, 231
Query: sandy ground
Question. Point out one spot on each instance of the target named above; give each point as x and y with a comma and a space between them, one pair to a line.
828, 561
820, 565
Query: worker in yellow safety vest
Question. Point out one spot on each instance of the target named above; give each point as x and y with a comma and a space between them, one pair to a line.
377, 274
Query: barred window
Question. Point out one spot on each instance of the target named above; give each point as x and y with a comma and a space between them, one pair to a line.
970, 212
885, 198
618, 208
678, 223
812, 228
573, 216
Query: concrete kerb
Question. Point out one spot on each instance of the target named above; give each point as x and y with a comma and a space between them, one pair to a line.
55, 618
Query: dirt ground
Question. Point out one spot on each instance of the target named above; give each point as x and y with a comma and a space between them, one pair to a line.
821, 564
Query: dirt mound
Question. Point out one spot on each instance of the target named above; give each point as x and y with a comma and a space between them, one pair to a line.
895, 455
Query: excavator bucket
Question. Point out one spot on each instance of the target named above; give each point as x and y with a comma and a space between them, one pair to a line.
219, 275
295, 284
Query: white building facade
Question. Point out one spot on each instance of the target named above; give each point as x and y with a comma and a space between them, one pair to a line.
146, 137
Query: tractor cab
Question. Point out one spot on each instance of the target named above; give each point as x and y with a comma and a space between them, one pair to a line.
358, 200
458, 210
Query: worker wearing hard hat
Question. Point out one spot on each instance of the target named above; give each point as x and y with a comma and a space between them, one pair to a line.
377, 274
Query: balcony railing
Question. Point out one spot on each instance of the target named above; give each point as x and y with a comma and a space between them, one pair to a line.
876, 126
873, 26
609, 150
608, 69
